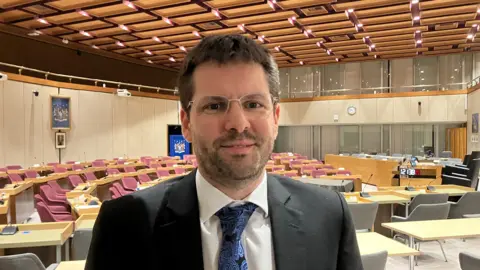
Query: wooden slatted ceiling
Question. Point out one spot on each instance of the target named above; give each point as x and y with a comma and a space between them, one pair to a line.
166, 27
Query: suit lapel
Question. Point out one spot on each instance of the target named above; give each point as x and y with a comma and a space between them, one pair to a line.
287, 228
177, 227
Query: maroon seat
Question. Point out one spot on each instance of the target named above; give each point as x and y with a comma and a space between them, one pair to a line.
14, 167
59, 169
3, 169
130, 169
170, 164
75, 180
71, 162
274, 169
14, 178
120, 189
31, 174
307, 167
112, 171
51, 197
129, 183
57, 188
179, 170
115, 193
194, 163
318, 173
162, 173
56, 209
343, 172
98, 163
53, 164
155, 165
328, 167
144, 178
76, 167
90, 176
290, 174
47, 216
121, 161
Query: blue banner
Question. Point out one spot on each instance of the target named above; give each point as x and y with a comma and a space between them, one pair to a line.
178, 146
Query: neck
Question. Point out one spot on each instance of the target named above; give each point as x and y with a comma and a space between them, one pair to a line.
237, 189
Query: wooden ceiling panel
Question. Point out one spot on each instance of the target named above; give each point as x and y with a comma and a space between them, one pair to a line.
74, 4
132, 18
397, 55
179, 10
444, 26
260, 18
443, 52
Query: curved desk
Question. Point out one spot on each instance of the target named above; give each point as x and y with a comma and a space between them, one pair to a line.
21, 204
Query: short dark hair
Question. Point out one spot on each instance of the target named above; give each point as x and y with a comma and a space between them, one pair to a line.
225, 49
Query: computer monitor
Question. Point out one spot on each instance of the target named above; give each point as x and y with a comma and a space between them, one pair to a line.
428, 150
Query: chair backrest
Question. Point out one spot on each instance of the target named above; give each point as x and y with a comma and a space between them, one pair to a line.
308, 167
115, 193
49, 195
343, 172
81, 243
162, 173
469, 261
129, 183
3, 169
55, 186
111, 171
144, 178
179, 170
290, 174
90, 176
130, 169
44, 213
427, 199
429, 212
318, 173
292, 162
14, 167
31, 174
468, 204
274, 169
23, 261
328, 167
120, 189
98, 163
77, 167
170, 164
363, 215
155, 165
71, 162
14, 178
121, 161
59, 169
75, 180
375, 261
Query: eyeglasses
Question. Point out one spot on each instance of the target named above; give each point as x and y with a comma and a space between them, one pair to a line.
253, 105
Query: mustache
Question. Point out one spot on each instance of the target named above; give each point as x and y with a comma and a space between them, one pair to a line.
233, 135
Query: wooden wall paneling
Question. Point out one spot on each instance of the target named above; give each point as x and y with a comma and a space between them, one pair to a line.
14, 123
2, 131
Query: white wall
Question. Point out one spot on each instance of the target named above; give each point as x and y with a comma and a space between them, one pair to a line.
103, 125
473, 107
396, 110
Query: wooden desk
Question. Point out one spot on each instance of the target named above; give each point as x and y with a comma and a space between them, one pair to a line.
436, 230
61, 179
451, 190
80, 205
103, 185
5, 210
71, 265
381, 169
371, 242
86, 221
269, 168
42, 170
20, 201
3, 179
79, 190
357, 179
31, 236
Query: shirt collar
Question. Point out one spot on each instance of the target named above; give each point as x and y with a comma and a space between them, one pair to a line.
210, 199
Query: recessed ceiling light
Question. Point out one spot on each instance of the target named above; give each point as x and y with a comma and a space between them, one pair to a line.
418, 31
470, 36
182, 48
35, 33
261, 38
150, 61
414, 1
416, 18
195, 33
40, 20
241, 27
120, 44
156, 39
123, 27
359, 25
216, 13
129, 4
83, 13
95, 47
172, 59
350, 10
419, 41
277, 48
301, 63
85, 33
167, 20
148, 52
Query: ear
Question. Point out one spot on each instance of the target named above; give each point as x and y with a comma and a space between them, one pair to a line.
276, 118
185, 120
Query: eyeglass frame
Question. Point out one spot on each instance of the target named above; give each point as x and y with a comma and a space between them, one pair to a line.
275, 101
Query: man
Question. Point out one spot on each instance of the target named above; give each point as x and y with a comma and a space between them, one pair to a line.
228, 214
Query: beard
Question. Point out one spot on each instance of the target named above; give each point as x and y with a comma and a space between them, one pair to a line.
232, 169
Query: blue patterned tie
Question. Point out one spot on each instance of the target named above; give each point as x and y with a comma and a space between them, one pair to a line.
233, 221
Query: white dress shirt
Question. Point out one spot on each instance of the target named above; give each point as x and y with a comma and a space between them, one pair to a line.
257, 236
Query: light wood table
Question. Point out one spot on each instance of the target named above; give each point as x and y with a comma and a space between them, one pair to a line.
435, 230
103, 185
3, 179
451, 190
5, 210
85, 189
39, 235
21, 201
61, 179
357, 179
86, 221
80, 205
371, 242
71, 265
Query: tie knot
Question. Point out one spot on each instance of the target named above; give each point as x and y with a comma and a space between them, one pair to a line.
234, 219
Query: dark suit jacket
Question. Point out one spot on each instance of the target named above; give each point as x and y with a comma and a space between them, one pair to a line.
159, 228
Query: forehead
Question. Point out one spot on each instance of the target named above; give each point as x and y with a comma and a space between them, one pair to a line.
230, 80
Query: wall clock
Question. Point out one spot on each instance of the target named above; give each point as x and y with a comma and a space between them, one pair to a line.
351, 110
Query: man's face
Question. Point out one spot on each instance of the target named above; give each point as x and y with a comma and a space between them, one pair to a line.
232, 140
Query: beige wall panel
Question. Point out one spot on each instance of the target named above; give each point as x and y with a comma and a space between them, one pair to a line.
134, 137
120, 126
436, 108
456, 110
50, 154
160, 127
2, 131
104, 123
367, 111
33, 125
171, 112
473, 107
14, 123
74, 150
87, 124
288, 113
339, 107
148, 127
401, 110
419, 114
402, 74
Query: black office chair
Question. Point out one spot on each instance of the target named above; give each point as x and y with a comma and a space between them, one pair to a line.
461, 168
467, 179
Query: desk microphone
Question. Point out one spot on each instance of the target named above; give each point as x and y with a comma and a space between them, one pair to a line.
431, 188
408, 187
365, 194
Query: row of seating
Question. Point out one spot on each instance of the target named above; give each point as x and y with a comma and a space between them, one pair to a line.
465, 174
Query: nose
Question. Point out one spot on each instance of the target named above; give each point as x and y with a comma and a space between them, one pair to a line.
235, 118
